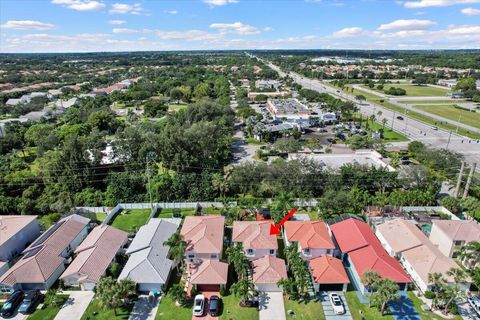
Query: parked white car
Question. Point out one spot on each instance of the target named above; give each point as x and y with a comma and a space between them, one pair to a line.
199, 305
337, 303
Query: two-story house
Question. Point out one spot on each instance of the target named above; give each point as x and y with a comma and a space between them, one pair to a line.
204, 245
450, 235
44, 260
16, 233
260, 247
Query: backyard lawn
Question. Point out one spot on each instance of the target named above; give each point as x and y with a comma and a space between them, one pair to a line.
95, 312
414, 90
232, 311
168, 213
358, 309
426, 315
452, 113
131, 220
49, 312
311, 310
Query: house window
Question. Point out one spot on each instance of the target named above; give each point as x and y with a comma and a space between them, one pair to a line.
329, 251
306, 252
213, 256
272, 251
458, 243
249, 252
454, 255
191, 256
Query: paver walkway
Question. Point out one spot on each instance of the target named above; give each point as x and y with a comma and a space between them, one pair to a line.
271, 306
75, 305
328, 308
144, 309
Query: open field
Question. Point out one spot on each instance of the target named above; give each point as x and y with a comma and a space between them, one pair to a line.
414, 90
431, 101
131, 220
452, 113
311, 310
388, 134
415, 115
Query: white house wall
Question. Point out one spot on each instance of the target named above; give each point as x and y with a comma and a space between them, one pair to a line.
18, 242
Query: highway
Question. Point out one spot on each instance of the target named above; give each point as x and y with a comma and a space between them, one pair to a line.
413, 129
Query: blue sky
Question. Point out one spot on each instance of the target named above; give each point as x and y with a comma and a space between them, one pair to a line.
101, 25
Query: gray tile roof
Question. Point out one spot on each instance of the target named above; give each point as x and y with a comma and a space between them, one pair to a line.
148, 262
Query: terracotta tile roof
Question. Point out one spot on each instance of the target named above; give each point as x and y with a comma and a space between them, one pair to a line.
254, 235
460, 230
210, 272
309, 234
328, 269
269, 269
43, 256
96, 253
203, 234
365, 250
11, 225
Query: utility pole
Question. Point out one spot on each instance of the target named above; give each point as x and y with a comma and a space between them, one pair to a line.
151, 156
469, 181
393, 119
459, 180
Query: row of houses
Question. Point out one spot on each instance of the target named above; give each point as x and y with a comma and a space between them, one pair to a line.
337, 254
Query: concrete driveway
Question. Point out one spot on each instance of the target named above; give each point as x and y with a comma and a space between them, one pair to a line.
143, 309
75, 306
328, 309
271, 306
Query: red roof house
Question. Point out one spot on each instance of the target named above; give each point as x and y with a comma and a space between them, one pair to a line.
363, 251
328, 273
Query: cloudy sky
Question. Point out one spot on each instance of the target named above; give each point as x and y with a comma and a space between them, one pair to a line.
101, 25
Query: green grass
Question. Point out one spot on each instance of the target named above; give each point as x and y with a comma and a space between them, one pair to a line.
101, 216
452, 113
388, 134
232, 311
431, 101
414, 90
46, 221
415, 115
167, 213
95, 312
426, 315
358, 309
49, 312
311, 310
176, 107
131, 220
255, 142
168, 310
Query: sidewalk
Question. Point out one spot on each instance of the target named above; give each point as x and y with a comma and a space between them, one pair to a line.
75, 306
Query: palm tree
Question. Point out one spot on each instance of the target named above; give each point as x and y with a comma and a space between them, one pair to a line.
236, 257
126, 288
281, 205
177, 292
107, 295
288, 286
458, 274
386, 291
177, 248
244, 289
452, 293
370, 281
437, 280
470, 254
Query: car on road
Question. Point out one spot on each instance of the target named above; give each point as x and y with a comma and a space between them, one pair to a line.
337, 303
199, 305
435, 128
8, 309
399, 118
214, 306
30, 302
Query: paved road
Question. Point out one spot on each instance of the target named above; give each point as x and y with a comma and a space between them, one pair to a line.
409, 107
75, 306
271, 306
413, 129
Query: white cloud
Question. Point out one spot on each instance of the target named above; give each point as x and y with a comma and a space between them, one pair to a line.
117, 22
217, 3
236, 27
172, 11
80, 5
268, 29
436, 3
124, 8
27, 25
188, 35
124, 30
348, 32
412, 24
471, 11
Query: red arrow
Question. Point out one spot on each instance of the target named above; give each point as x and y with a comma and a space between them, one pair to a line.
275, 229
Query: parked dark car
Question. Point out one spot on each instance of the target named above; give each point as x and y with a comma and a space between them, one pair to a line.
11, 304
331, 140
399, 117
30, 302
214, 306
341, 136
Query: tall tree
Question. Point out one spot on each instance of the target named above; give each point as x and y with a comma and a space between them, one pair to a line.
177, 248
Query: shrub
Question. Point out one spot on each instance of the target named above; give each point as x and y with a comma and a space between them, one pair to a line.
223, 291
429, 294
